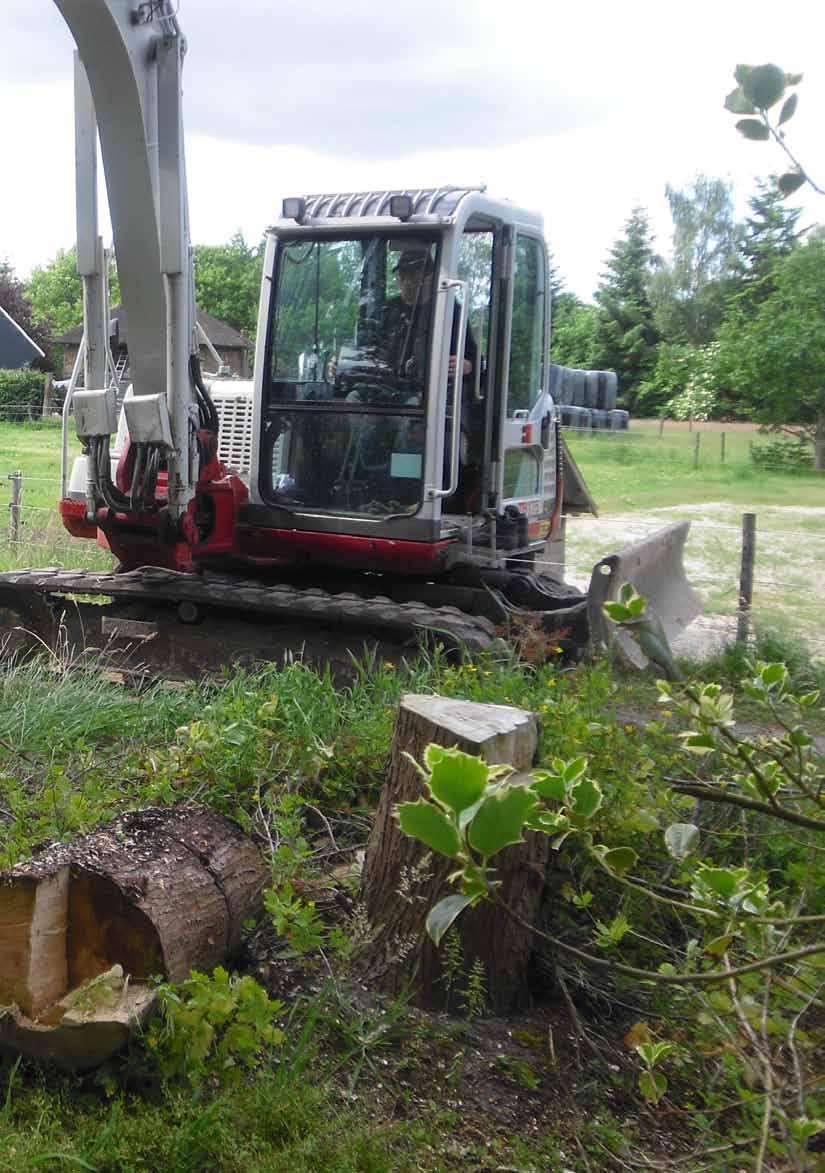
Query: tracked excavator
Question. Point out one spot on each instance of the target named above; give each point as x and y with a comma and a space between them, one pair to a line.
396, 467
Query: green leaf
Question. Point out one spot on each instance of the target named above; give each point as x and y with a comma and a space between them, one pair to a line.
790, 182
549, 786
764, 85
620, 859
586, 798
681, 839
457, 779
574, 769
500, 819
788, 109
793, 79
741, 72
723, 881
618, 612
719, 945
423, 821
442, 915
737, 103
698, 743
652, 1085
773, 674
550, 822
753, 129
651, 1053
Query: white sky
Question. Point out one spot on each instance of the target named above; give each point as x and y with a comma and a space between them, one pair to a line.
580, 111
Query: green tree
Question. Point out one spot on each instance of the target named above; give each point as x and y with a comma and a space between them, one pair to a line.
17, 304
683, 384
575, 333
775, 358
228, 281
627, 334
56, 291
690, 292
769, 235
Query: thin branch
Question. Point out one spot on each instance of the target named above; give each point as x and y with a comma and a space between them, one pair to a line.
708, 793
779, 138
670, 979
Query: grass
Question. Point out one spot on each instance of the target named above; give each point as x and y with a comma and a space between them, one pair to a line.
75, 749
663, 472
34, 449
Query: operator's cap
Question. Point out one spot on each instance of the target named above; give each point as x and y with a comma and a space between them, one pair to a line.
414, 260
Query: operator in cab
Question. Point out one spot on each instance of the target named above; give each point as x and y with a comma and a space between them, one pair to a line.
406, 325
407, 320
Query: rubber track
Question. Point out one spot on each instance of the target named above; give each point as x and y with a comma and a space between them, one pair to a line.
149, 584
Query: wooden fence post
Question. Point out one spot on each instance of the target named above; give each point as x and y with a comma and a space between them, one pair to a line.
16, 479
48, 388
696, 439
722, 445
746, 576
661, 426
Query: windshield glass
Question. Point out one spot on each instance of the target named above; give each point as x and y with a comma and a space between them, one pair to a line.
349, 359
364, 306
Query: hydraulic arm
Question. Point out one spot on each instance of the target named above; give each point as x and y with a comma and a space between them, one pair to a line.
128, 91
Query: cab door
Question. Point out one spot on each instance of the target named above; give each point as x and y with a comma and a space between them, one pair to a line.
526, 433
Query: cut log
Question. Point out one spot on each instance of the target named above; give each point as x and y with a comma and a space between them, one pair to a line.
160, 891
401, 881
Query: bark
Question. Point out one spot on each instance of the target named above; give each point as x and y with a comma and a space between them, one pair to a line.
401, 881
159, 891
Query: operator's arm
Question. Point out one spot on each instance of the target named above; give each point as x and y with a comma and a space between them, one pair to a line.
470, 351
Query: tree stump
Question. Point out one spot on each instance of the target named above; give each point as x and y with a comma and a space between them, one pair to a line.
159, 891
401, 881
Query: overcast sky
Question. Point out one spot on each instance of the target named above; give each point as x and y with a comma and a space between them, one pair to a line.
578, 110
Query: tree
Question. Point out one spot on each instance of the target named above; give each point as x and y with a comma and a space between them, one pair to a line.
760, 88
56, 291
16, 303
228, 280
627, 335
575, 333
690, 292
775, 358
769, 235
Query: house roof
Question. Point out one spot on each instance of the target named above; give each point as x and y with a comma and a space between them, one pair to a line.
219, 333
16, 348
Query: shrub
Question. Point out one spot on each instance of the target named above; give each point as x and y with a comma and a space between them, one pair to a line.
783, 454
21, 394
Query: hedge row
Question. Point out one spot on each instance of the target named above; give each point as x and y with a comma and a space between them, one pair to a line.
21, 394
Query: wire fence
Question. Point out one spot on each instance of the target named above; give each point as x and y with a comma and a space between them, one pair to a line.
785, 573
706, 445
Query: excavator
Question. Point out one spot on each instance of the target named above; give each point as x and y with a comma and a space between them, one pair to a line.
394, 470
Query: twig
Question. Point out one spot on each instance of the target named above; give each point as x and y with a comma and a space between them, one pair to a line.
715, 794
670, 979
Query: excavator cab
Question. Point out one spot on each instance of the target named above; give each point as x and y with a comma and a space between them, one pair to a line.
401, 390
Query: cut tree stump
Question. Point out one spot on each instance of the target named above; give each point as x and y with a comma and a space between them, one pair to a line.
159, 891
401, 881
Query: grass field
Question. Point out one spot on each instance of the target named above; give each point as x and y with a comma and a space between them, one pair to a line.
640, 480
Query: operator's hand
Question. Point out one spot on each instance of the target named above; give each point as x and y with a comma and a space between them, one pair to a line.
467, 367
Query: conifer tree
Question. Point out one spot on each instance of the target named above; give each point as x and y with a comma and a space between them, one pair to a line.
627, 336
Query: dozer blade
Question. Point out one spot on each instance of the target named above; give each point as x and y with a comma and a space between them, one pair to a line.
655, 568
